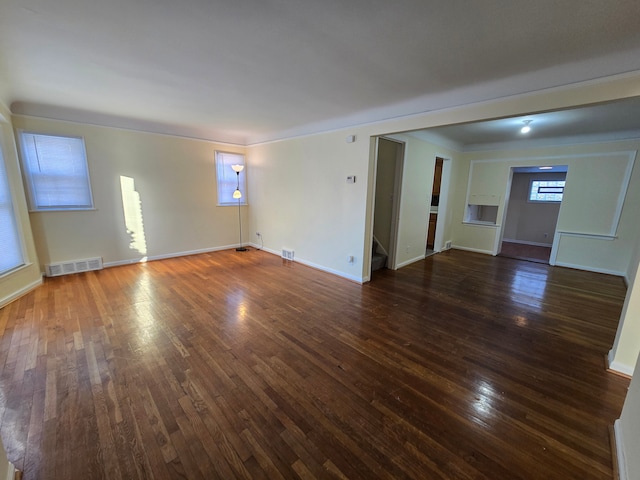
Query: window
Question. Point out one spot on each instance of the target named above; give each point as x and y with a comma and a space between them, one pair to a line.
228, 179
10, 242
56, 172
546, 191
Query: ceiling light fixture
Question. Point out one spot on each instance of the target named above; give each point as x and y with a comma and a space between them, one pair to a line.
526, 128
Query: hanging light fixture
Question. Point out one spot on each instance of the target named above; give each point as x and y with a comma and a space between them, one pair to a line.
526, 128
237, 194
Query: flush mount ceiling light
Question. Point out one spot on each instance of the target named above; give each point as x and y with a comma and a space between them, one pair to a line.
526, 128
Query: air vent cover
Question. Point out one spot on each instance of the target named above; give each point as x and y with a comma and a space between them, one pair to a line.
74, 266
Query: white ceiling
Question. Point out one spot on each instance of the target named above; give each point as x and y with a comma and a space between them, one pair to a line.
255, 70
603, 122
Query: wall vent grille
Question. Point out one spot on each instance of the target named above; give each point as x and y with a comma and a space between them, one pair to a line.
287, 254
447, 245
74, 266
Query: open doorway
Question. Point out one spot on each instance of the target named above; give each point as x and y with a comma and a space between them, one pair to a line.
435, 204
532, 212
389, 165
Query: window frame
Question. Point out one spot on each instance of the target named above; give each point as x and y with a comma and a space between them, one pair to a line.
223, 169
11, 208
533, 200
30, 184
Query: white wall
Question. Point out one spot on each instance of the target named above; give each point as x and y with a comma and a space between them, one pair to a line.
175, 196
626, 345
22, 280
594, 182
627, 430
300, 199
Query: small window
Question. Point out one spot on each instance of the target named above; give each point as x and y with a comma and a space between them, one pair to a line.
228, 180
56, 172
11, 256
546, 190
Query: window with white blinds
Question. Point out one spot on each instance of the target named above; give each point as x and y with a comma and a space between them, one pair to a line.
56, 172
227, 179
11, 255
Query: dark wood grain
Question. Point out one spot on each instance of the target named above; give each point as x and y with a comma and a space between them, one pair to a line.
239, 365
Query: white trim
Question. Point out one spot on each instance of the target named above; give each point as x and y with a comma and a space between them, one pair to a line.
617, 273
617, 366
469, 249
150, 258
595, 236
622, 464
23, 291
526, 242
11, 471
481, 224
315, 266
409, 262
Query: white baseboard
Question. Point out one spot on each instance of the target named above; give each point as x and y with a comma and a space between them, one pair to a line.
590, 269
150, 258
469, 249
619, 453
307, 263
409, 262
525, 242
620, 367
23, 291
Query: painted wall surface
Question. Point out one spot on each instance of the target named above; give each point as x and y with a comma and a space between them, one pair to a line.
154, 196
596, 173
529, 221
626, 345
300, 199
628, 429
27, 277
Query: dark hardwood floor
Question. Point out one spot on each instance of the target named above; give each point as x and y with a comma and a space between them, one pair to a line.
533, 253
239, 365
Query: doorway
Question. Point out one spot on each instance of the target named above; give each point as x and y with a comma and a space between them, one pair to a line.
389, 165
435, 204
533, 207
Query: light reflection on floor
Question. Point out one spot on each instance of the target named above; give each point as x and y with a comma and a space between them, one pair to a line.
528, 288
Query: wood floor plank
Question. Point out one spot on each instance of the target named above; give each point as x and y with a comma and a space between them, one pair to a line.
233, 365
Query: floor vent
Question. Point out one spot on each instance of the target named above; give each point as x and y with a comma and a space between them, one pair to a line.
75, 266
447, 245
287, 254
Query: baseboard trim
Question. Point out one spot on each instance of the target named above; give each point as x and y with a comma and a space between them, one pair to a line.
151, 258
526, 242
353, 278
618, 368
409, 262
469, 249
590, 269
617, 452
23, 291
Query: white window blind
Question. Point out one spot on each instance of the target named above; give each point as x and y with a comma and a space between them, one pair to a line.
10, 245
227, 178
56, 172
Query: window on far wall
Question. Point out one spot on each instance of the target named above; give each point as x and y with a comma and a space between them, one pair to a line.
546, 190
227, 179
56, 172
10, 243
